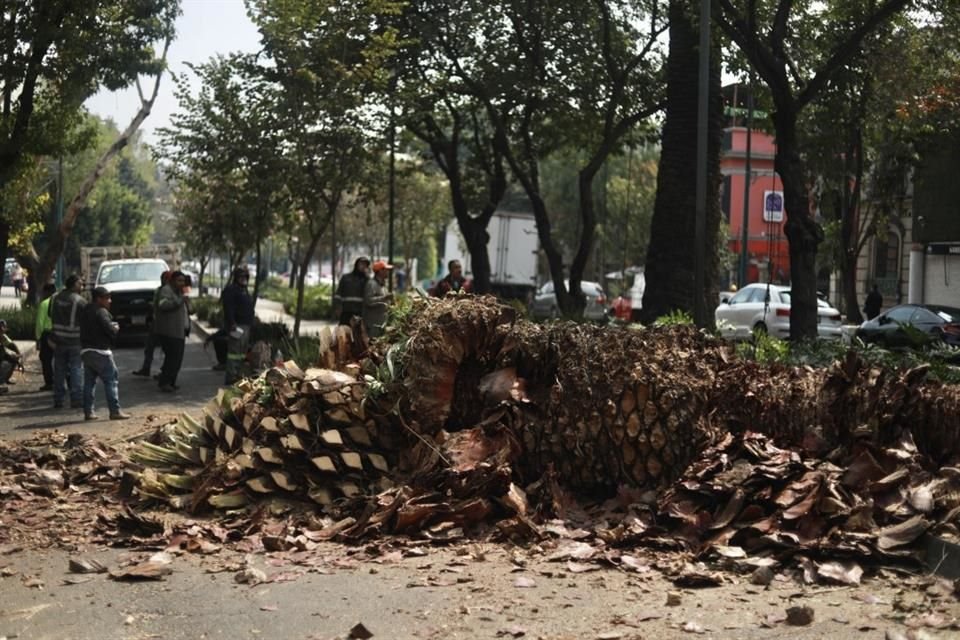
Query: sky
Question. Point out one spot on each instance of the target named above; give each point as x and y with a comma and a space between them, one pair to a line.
205, 28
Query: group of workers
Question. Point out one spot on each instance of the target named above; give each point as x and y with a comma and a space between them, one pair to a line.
361, 296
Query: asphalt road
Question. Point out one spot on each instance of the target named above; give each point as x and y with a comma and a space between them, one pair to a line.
24, 410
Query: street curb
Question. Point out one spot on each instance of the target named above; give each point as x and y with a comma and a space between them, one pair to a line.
200, 328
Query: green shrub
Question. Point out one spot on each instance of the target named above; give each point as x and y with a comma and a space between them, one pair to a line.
208, 310
20, 322
316, 300
675, 318
305, 351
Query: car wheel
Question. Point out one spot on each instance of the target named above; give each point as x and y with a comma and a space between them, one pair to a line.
759, 329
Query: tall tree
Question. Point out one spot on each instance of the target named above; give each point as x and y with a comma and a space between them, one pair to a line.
56, 54
327, 62
796, 50
223, 147
44, 268
433, 103
580, 73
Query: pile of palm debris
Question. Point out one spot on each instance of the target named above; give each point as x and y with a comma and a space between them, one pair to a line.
467, 421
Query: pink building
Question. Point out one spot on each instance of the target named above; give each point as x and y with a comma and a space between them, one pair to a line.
768, 255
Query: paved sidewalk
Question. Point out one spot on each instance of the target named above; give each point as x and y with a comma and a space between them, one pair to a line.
271, 311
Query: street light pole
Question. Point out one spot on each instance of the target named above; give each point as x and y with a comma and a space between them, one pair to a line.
392, 188
700, 222
60, 264
744, 227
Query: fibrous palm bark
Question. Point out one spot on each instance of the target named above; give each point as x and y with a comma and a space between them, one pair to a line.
481, 405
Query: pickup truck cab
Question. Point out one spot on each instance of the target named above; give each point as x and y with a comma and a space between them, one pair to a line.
131, 283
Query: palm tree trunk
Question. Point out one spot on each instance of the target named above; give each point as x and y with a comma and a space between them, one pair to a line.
669, 268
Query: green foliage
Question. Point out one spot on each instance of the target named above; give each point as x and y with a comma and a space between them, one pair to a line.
941, 359
316, 300
119, 210
626, 188
55, 55
765, 348
208, 309
674, 318
20, 322
387, 372
305, 350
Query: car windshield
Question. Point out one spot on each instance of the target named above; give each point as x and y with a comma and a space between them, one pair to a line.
131, 272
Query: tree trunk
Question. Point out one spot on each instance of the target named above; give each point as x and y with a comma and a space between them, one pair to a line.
803, 232
473, 228
475, 234
301, 282
670, 257
203, 270
4, 240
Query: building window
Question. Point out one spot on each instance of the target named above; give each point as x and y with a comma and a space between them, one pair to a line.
887, 257
886, 264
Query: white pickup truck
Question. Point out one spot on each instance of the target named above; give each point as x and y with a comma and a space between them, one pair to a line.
131, 283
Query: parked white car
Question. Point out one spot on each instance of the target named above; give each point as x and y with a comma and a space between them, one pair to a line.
766, 308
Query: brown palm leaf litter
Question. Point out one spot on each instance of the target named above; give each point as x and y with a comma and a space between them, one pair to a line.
659, 436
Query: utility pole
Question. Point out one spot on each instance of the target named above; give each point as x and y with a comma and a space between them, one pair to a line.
60, 263
747, 176
700, 222
392, 196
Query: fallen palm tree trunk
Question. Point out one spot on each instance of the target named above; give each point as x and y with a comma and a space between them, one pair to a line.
473, 414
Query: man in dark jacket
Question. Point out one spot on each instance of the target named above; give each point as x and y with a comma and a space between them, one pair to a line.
238, 317
348, 301
873, 303
65, 311
454, 281
98, 332
171, 325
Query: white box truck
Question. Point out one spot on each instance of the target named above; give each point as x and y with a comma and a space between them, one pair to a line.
512, 250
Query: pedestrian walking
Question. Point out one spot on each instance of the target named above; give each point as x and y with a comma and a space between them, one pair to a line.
65, 308
11, 359
151, 345
238, 319
873, 303
171, 325
98, 332
43, 332
348, 300
453, 282
376, 299
16, 277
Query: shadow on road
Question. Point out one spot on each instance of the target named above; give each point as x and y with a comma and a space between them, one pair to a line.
24, 409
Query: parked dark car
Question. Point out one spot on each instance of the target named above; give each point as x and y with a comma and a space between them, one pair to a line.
544, 305
938, 322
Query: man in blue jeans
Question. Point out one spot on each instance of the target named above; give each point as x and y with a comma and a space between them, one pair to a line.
65, 309
97, 334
